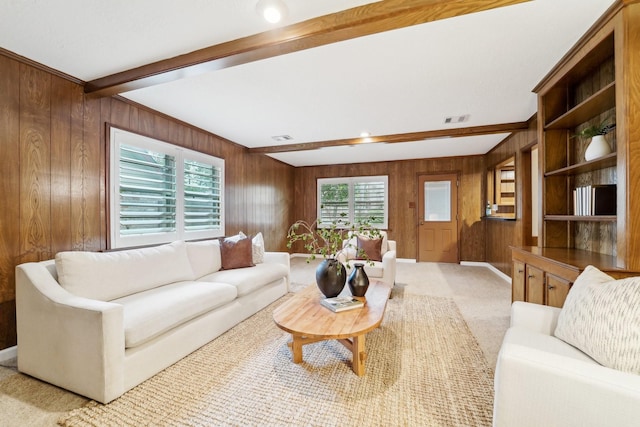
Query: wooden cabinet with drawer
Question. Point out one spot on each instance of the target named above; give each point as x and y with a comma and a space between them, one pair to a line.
556, 290
545, 275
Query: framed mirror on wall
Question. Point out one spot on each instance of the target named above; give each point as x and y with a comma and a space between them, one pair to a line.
501, 190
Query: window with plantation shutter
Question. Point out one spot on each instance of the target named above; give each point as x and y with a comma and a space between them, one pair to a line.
160, 192
202, 196
147, 191
353, 200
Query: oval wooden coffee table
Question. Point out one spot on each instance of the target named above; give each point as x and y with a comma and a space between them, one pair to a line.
308, 322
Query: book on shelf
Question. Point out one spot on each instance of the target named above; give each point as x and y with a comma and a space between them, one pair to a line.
593, 200
338, 304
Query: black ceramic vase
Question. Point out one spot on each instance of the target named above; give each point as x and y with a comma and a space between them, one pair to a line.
358, 280
331, 276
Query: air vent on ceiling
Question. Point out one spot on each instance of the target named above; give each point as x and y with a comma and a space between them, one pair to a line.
456, 119
281, 138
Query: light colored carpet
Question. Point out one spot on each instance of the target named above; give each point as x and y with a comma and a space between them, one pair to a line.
424, 368
480, 296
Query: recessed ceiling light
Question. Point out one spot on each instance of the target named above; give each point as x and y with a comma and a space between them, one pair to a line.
272, 11
365, 134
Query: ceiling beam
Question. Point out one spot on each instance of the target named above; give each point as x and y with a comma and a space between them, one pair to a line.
399, 137
360, 21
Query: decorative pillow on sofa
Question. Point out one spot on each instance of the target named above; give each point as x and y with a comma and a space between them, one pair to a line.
236, 252
371, 247
257, 244
601, 317
257, 247
350, 252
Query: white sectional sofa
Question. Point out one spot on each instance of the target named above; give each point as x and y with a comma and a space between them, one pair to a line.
98, 324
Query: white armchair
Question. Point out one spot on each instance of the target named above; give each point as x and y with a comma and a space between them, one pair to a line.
384, 270
542, 381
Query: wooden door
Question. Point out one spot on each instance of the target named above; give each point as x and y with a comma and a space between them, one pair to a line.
438, 218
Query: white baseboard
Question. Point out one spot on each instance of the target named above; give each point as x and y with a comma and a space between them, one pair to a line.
409, 260
490, 267
8, 353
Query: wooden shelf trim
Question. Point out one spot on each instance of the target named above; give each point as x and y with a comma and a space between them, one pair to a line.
602, 100
591, 218
607, 161
567, 258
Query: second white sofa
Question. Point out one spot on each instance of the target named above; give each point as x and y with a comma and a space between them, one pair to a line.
542, 381
98, 324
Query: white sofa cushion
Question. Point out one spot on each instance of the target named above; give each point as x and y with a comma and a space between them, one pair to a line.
248, 279
204, 257
601, 317
524, 337
150, 313
106, 276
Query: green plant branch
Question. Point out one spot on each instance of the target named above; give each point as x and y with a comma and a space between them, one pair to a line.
328, 241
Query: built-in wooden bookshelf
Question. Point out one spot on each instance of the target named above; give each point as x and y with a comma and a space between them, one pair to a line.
596, 81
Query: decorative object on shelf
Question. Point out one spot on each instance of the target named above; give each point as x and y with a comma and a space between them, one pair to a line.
598, 146
358, 281
326, 240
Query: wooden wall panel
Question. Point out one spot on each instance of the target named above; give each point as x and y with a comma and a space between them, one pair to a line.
10, 182
61, 238
35, 169
76, 170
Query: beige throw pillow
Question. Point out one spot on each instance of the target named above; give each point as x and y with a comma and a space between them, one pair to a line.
601, 317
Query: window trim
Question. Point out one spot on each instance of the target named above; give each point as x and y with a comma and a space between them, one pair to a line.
117, 137
351, 181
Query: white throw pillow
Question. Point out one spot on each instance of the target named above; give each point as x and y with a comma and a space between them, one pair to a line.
601, 317
258, 248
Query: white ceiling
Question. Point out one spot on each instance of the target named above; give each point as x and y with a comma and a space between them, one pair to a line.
407, 80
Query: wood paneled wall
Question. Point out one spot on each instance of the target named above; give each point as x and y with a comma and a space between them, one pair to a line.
501, 234
403, 197
53, 154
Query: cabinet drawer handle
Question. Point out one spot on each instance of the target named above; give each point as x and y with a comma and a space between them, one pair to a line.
520, 271
531, 276
551, 287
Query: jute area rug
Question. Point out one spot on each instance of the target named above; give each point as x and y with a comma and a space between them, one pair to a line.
424, 368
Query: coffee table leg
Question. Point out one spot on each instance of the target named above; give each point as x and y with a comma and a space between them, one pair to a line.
296, 348
359, 355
